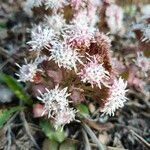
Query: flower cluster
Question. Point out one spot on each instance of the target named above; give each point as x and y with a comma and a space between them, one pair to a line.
72, 51
94, 73
56, 22
81, 30
78, 36
28, 71
41, 36
56, 106
65, 56
116, 97
114, 18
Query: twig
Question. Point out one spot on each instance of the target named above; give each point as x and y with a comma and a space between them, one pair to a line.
97, 126
128, 127
11, 119
95, 112
35, 127
115, 148
9, 138
95, 145
26, 126
93, 137
140, 138
145, 96
87, 144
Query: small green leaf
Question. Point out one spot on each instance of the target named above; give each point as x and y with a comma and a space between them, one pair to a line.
83, 109
6, 114
67, 145
51, 133
16, 88
3, 26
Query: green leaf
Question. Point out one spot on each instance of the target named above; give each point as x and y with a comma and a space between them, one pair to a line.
6, 114
3, 26
16, 88
83, 109
67, 145
56, 135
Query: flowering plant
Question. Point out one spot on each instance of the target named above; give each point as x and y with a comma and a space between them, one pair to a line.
73, 53
74, 73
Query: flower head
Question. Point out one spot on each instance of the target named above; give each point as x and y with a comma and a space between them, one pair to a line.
114, 18
41, 36
55, 100
94, 73
78, 36
116, 97
56, 105
55, 21
143, 62
28, 71
65, 56
65, 117
86, 19
81, 30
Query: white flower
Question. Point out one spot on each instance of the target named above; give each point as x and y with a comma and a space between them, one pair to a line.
146, 34
56, 105
65, 56
84, 19
81, 30
55, 100
116, 97
41, 37
94, 73
78, 35
27, 71
65, 117
143, 62
56, 21
114, 18
55, 4
81, 20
